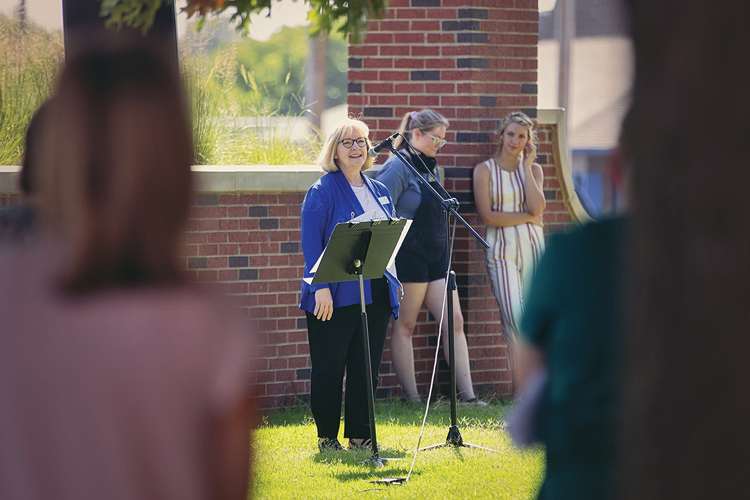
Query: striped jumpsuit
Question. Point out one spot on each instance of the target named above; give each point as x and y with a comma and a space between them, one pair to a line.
514, 251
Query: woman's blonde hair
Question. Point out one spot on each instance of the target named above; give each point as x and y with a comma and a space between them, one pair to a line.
326, 158
424, 120
520, 119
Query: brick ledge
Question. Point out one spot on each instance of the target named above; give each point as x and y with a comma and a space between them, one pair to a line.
556, 117
222, 178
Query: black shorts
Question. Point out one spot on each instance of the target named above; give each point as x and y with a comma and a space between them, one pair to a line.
421, 259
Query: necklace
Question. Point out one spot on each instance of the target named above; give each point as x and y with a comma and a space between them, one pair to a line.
511, 168
358, 190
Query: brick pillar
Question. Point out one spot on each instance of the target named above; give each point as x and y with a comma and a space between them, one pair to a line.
474, 61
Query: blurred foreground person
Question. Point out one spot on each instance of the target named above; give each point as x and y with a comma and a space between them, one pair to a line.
118, 380
685, 411
571, 330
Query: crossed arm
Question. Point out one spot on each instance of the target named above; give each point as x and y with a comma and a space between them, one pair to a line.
534, 198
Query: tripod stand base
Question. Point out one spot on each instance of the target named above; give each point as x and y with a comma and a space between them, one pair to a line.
390, 480
454, 436
453, 439
378, 461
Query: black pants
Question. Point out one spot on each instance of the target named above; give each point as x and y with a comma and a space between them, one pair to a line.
337, 344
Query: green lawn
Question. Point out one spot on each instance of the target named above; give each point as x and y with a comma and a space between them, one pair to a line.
288, 464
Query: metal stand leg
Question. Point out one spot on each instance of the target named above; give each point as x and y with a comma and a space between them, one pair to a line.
376, 459
454, 434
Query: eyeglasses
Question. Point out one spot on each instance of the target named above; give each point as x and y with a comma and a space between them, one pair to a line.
349, 143
437, 141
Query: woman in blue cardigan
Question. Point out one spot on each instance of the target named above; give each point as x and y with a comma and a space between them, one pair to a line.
333, 309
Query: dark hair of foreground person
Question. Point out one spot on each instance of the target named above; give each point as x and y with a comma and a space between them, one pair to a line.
118, 379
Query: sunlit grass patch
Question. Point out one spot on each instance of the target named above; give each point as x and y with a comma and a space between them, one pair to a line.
288, 464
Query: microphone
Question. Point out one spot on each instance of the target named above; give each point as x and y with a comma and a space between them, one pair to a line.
375, 150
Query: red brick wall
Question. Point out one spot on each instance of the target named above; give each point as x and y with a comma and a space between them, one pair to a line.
557, 216
474, 61
247, 245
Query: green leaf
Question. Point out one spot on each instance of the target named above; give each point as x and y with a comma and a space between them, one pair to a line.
347, 17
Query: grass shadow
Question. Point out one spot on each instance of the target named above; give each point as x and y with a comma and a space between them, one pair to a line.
354, 457
373, 473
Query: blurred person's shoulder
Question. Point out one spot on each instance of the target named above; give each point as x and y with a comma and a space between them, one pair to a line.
177, 312
167, 332
32, 275
203, 335
588, 237
24, 267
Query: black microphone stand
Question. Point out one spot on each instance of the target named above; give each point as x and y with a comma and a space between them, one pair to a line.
449, 207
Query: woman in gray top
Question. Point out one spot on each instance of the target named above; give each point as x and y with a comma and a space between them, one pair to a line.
422, 263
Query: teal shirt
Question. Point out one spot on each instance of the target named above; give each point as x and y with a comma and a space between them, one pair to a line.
573, 313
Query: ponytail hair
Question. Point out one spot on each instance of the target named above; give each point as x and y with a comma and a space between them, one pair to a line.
424, 120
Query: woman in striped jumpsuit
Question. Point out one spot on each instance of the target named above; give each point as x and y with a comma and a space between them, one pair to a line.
510, 201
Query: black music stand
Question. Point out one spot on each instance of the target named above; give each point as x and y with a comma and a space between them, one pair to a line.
362, 250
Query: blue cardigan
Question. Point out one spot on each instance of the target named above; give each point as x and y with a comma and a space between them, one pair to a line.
328, 202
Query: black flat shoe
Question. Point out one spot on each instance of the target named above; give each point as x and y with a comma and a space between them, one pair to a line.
329, 444
364, 445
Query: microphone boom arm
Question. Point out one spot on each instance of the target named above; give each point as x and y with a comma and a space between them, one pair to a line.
449, 204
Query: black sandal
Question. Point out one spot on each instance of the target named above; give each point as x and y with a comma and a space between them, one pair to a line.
364, 445
329, 444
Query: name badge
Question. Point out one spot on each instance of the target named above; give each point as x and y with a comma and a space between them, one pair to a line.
383, 200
